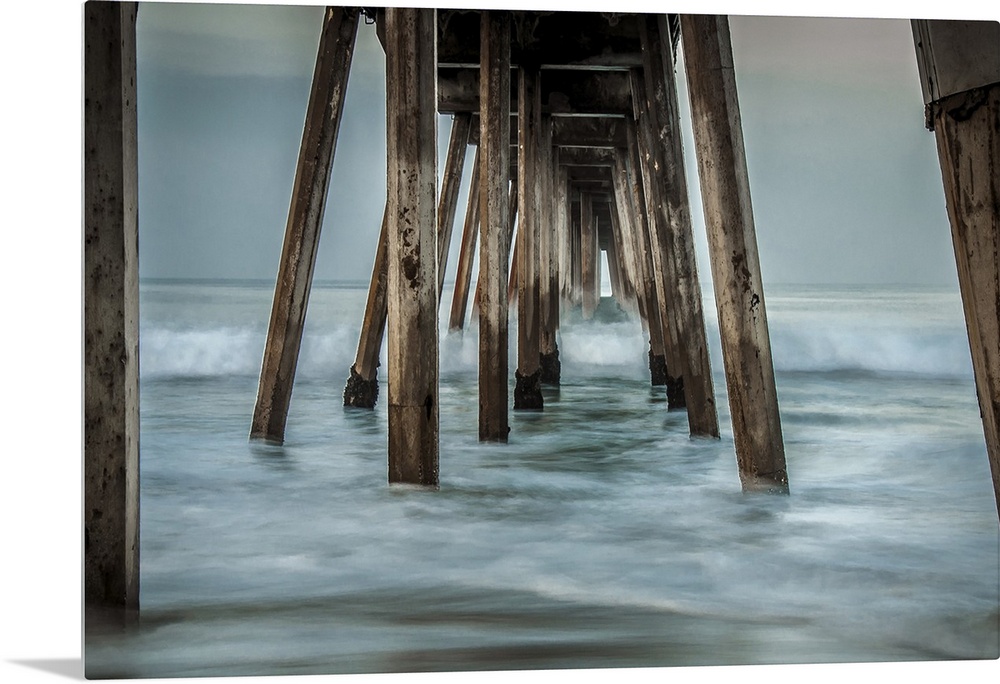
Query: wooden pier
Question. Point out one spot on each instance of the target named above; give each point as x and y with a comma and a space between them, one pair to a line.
576, 128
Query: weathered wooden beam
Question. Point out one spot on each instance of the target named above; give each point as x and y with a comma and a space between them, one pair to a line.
411, 146
600, 174
658, 246
675, 216
614, 273
739, 292
622, 225
563, 92
590, 279
583, 131
305, 219
512, 213
467, 253
548, 258
586, 156
497, 223
361, 390
588, 40
111, 308
527, 390
657, 344
450, 182
576, 248
563, 239
959, 66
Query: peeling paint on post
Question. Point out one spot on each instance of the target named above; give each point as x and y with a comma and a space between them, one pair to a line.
111, 308
739, 293
411, 142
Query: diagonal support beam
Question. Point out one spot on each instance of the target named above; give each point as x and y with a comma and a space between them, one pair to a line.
673, 222
527, 390
732, 240
305, 219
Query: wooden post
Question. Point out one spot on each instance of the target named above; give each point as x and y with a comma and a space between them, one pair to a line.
659, 339
590, 282
111, 308
615, 270
576, 252
563, 229
466, 255
959, 66
549, 284
514, 257
623, 226
454, 165
362, 386
674, 225
527, 388
361, 389
739, 293
305, 219
495, 210
411, 145
512, 212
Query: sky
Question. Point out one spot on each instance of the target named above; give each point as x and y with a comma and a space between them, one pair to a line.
844, 177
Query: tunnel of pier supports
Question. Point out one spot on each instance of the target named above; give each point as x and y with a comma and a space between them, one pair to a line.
586, 125
959, 65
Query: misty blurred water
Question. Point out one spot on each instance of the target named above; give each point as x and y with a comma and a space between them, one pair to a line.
600, 536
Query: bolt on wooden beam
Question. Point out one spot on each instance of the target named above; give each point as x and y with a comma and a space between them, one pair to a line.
305, 219
739, 292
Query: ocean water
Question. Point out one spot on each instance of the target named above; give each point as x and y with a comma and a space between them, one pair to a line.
600, 536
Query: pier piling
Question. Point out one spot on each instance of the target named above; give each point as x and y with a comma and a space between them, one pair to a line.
959, 67
305, 219
674, 225
739, 292
527, 388
548, 259
466, 255
411, 144
361, 390
111, 308
496, 220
